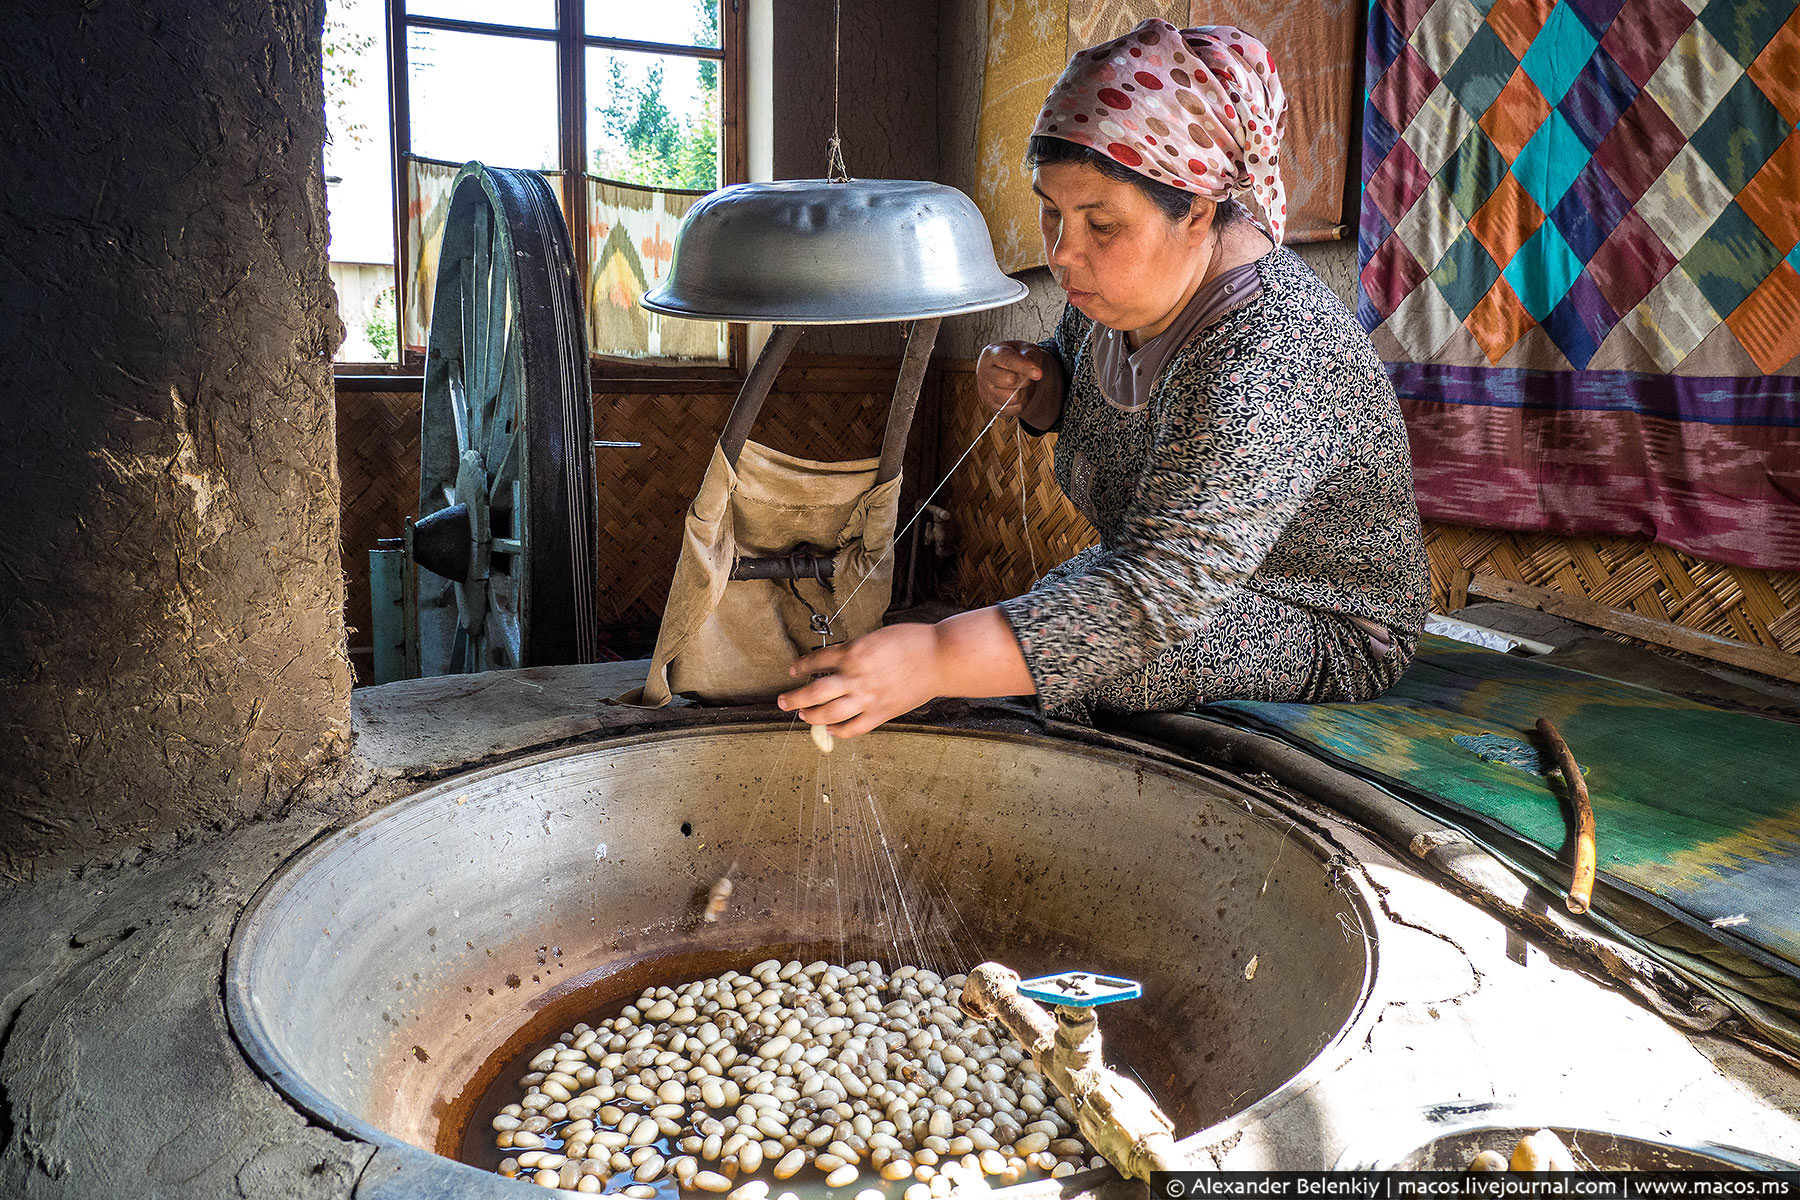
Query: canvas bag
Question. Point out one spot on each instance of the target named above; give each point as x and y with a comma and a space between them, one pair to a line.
731, 642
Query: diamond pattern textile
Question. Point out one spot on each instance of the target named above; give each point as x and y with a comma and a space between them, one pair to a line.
1584, 216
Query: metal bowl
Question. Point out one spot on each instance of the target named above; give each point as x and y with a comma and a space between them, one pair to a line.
817, 252
387, 975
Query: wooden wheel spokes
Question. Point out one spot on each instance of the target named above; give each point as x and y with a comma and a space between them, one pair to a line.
506, 471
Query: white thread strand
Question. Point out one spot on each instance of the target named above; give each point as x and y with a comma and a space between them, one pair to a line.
1024, 508
899, 537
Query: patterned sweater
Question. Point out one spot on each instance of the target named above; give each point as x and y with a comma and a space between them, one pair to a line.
1272, 456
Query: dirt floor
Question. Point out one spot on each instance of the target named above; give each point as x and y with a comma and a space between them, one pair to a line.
120, 1077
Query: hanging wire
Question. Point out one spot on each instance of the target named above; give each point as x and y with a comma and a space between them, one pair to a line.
835, 170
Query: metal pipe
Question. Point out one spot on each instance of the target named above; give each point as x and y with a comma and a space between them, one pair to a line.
1118, 1118
387, 613
785, 566
756, 390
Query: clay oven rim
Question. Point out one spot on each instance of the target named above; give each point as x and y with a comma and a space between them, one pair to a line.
249, 1024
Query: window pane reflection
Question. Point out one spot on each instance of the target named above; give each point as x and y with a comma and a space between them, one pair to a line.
359, 178
533, 14
653, 119
491, 98
678, 22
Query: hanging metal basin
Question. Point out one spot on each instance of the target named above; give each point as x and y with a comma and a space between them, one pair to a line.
815, 252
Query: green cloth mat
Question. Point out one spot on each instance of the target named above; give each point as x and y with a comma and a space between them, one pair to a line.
1696, 809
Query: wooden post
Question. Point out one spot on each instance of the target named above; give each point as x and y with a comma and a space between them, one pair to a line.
174, 657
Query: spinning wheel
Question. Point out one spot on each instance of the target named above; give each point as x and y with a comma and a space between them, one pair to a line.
505, 540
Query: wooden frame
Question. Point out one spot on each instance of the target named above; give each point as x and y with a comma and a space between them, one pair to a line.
572, 44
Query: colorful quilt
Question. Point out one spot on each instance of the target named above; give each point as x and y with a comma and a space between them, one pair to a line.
1580, 249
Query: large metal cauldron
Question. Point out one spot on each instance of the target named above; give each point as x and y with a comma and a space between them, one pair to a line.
376, 976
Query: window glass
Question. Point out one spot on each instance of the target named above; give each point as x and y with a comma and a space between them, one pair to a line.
653, 119
477, 97
359, 178
531, 14
676, 22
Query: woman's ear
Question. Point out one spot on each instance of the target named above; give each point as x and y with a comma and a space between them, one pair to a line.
1199, 219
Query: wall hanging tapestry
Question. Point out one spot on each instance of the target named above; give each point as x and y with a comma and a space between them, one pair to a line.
1027, 48
1580, 250
631, 241
631, 232
1029, 43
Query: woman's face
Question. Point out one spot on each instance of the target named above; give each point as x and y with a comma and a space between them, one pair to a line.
1121, 261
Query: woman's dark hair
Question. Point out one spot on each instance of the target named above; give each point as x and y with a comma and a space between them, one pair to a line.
1173, 202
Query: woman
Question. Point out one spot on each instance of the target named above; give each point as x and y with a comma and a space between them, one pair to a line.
1223, 422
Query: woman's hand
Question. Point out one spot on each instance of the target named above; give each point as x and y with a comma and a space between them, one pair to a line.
868, 681
894, 670
1020, 379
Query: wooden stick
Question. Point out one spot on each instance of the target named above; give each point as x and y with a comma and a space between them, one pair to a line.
1776, 663
1581, 883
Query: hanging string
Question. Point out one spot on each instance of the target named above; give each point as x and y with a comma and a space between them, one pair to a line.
1024, 507
899, 537
835, 170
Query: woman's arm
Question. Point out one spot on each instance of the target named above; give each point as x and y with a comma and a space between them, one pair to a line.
894, 670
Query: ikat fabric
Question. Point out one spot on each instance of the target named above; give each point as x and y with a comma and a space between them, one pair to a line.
427, 204
631, 242
1580, 256
1695, 806
631, 232
1027, 47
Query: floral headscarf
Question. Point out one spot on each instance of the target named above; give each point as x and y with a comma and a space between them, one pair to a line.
1195, 108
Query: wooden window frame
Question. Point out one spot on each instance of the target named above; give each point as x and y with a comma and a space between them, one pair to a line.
572, 45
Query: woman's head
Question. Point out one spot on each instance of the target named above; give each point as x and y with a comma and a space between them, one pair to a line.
1124, 259
1199, 111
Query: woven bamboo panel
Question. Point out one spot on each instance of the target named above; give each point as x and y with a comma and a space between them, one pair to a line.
645, 492
1005, 535
1761, 608
821, 409
378, 463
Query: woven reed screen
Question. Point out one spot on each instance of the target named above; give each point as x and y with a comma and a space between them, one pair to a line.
378, 468
1761, 608
821, 408
998, 529
993, 561
830, 411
